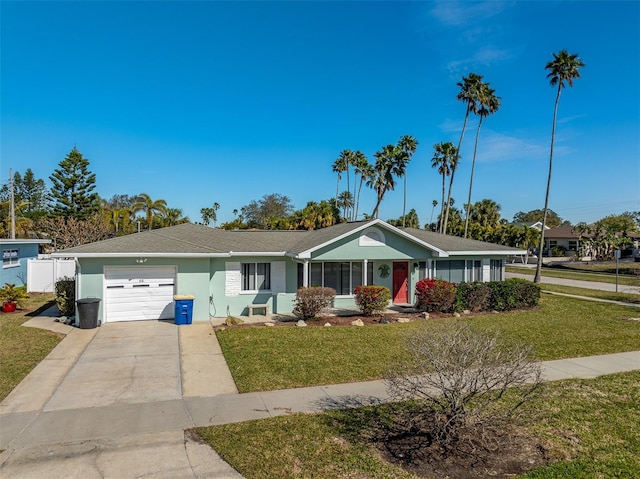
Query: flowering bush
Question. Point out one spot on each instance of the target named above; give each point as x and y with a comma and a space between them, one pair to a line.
372, 299
435, 295
310, 302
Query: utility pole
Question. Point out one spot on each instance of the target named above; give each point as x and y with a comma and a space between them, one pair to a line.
12, 206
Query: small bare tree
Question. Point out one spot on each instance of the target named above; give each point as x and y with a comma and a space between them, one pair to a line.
458, 377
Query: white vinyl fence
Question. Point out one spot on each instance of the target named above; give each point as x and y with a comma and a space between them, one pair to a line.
42, 274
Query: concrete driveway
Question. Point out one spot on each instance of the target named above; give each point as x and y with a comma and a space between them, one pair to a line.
125, 363
110, 403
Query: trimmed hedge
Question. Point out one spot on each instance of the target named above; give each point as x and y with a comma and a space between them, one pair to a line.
372, 299
436, 295
310, 302
505, 295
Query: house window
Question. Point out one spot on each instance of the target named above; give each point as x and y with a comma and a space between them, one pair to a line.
450, 270
496, 270
573, 245
256, 276
10, 258
474, 270
342, 276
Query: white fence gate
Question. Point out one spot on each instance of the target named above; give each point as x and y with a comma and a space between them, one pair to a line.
42, 274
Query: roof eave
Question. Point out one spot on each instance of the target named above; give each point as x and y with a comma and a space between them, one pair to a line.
62, 254
518, 252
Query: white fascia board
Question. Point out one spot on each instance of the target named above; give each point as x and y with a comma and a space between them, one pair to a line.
257, 253
24, 241
139, 255
377, 222
489, 253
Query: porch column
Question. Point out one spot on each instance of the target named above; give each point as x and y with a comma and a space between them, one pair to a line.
305, 273
365, 265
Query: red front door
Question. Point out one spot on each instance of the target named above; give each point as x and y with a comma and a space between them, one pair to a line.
400, 281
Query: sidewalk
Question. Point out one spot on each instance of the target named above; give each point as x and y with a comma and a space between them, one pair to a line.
622, 288
45, 438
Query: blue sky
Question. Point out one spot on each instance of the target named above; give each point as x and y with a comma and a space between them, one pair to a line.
202, 102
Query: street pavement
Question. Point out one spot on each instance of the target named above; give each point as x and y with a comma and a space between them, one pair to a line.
117, 402
622, 288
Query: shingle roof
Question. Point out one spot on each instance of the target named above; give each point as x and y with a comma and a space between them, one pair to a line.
453, 244
191, 239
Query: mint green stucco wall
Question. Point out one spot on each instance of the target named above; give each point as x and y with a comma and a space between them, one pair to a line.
192, 278
224, 304
395, 247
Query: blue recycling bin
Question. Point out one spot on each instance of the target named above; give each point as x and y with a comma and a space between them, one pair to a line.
183, 308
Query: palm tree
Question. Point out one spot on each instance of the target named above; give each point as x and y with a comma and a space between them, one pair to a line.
382, 179
365, 170
485, 213
563, 67
149, 207
444, 156
407, 146
434, 203
469, 95
391, 161
340, 166
345, 201
489, 104
174, 217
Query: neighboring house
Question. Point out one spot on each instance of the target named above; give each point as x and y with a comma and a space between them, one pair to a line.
536, 225
137, 275
563, 237
15, 255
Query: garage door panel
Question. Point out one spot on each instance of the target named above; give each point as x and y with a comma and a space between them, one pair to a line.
139, 293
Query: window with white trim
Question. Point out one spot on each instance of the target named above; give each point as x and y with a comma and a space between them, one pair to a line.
474, 270
256, 276
10, 258
343, 276
496, 270
451, 270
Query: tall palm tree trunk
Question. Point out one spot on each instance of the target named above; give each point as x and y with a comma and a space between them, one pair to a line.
441, 220
377, 207
536, 278
404, 201
355, 217
453, 170
473, 165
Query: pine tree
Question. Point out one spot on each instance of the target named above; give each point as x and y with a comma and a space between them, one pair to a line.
72, 188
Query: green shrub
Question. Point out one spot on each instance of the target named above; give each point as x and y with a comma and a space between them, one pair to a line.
66, 296
513, 293
474, 297
372, 299
435, 295
310, 302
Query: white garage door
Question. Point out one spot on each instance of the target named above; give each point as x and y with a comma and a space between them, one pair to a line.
136, 293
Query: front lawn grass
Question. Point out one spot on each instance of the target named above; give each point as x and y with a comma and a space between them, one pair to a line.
263, 358
21, 348
590, 427
577, 275
592, 293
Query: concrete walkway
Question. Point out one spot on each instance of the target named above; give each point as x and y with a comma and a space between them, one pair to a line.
622, 288
78, 423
